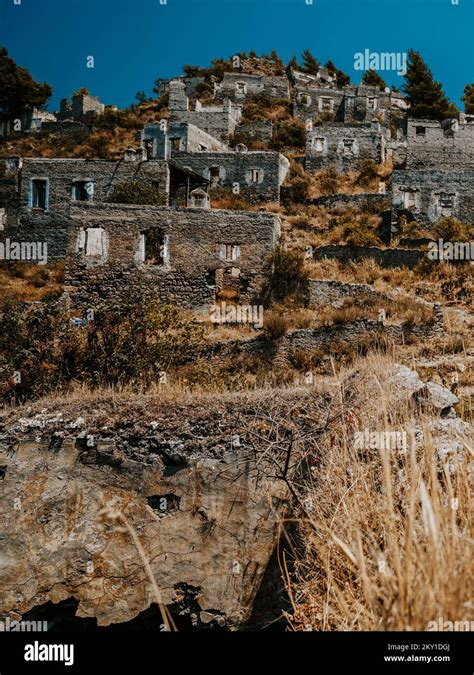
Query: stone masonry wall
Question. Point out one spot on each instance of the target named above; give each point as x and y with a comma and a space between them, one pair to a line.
104, 174
194, 242
433, 194
239, 167
434, 145
344, 147
239, 86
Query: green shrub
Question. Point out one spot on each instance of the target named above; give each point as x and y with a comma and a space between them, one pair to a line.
135, 192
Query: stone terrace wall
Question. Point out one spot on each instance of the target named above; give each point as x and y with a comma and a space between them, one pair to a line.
321, 292
194, 240
315, 339
385, 257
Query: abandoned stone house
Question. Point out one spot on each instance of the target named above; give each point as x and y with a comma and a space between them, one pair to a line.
427, 195
81, 107
163, 140
190, 257
43, 184
217, 120
344, 147
322, 78
256, 175
440, 145
239, 86
349, 105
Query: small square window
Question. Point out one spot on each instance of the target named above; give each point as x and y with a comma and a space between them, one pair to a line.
318, 144
421, 131
82, 190
446, 201
372, 103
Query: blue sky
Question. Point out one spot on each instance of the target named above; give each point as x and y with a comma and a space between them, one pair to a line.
135, 41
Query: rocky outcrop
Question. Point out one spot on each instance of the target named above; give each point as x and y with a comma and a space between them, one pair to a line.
197, 488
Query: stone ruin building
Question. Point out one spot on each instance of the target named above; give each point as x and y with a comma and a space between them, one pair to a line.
188, 161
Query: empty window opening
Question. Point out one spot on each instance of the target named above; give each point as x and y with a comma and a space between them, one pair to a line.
348, 146
318, 144
372, 103
409, 199
154, 248
446, 201
175, 144
39, 193
327, 104
255, 175
82, 190
241, 87
421, 131
214, 175
230, 252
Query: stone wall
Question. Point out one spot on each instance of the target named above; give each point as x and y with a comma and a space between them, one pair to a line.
161, 144
102, 174
344, 147
262, 131
432, 194
50, 228
239, 86
434, 145
351, 105
218, 121
322, 292
331, 337
257, 174
385, 257
194, 265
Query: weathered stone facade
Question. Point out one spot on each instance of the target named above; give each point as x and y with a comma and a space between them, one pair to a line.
85, 180
432, 194
440, 145
164, 140
239, 86
344, 147
194, 254
256, 175
218, 120
351, 104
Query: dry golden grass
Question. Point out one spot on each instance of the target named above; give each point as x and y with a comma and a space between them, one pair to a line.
25, 282
386, 535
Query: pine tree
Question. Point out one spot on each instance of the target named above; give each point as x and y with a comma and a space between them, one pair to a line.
341, 78
468, 99
426, 96
371, 78
18, 90
310, 65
